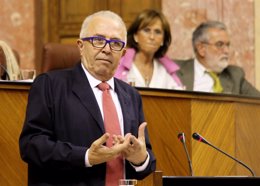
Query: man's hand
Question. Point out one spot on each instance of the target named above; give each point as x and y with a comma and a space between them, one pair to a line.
99, 153
135, 151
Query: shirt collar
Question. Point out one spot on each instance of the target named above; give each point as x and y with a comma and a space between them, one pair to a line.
199, 68
95, 82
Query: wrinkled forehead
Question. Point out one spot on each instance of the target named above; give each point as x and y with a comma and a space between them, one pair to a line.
215, 35
107, 27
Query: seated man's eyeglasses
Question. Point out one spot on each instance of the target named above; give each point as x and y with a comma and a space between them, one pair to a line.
101, 42
219, 45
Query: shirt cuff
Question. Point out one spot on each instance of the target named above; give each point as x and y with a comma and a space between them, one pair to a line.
87, 164
143, 166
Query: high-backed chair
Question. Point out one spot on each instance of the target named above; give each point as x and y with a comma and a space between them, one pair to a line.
58, 56
11, 57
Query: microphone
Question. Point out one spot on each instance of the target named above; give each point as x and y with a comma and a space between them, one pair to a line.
181, 137
7, 75
199, 138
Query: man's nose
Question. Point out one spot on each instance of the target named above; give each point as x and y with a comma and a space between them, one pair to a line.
106, 48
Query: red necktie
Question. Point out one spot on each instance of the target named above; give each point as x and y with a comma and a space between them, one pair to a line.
114, 168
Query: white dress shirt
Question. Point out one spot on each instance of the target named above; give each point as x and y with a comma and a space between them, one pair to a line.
98, 94
202, 80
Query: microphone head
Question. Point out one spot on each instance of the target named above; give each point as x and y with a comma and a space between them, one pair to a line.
181, 137
199, 138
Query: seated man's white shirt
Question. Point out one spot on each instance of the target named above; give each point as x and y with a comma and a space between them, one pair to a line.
202, 80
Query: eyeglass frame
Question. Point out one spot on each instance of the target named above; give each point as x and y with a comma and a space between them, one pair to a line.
219, 44
108, 41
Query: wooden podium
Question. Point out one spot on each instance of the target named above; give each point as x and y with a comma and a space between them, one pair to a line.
232, 123
13, 101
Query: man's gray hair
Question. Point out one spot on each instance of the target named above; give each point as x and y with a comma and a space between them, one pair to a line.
200, 34
103, 13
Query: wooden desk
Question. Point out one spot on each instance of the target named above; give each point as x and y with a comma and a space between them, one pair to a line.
13, 101
229, 122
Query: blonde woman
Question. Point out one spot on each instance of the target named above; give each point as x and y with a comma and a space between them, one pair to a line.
8, 63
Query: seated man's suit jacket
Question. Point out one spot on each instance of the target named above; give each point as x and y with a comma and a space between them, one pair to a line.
63, 119
232, 79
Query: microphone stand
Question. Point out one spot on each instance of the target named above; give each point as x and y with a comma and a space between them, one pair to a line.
199, 138
181, 137
188, 157
240, 162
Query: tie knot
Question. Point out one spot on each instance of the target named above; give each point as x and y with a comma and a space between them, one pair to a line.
213, 75
103, 86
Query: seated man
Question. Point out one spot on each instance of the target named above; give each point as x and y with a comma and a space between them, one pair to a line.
209, 71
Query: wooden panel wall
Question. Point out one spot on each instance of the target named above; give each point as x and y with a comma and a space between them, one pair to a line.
225, 121
13, 171
215, 120
247, 132
166, 118
62, 19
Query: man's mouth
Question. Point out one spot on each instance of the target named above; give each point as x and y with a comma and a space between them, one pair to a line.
107, 60
225, 58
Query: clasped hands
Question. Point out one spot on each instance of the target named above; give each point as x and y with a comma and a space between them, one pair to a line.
131, 148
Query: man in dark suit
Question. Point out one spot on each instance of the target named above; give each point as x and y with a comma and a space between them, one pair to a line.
64, 138
211, 46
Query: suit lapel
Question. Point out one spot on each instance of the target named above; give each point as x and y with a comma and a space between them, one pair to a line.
83, 91
186, 73
125, 101
226, 82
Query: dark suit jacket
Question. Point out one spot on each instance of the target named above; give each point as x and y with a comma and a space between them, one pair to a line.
62, 121
232, 79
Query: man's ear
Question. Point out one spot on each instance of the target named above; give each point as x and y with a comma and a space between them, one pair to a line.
80, 44
123, 52
201, 49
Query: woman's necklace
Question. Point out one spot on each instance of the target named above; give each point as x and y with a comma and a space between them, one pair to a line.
146, 71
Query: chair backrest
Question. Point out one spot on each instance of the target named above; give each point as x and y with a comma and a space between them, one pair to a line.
58, 56
6, 57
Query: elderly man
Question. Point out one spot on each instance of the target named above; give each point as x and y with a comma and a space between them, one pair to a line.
209, 71
82, 126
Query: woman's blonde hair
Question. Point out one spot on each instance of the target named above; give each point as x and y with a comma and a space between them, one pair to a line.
12, 67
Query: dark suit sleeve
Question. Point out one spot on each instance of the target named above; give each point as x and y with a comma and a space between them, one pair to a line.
248, 89
132, 108
152, 162
38, 141
239, 83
